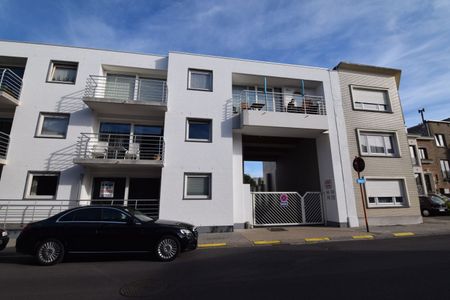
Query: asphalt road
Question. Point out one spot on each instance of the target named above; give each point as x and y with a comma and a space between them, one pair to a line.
404, 268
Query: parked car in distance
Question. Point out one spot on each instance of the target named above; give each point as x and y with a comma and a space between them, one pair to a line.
104, 229
4, 239
432, 204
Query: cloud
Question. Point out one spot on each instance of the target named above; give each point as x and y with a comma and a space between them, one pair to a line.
411, 35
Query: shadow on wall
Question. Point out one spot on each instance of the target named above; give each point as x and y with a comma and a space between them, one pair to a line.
61, 159
71, 103
228, 119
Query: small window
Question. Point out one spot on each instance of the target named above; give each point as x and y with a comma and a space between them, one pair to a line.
423, 153
200, 80
370, 98
42, 185
52, 125
199, 130
445, 169
440, 141
385, 192
197, 186
63, 72
113, 215
377, 144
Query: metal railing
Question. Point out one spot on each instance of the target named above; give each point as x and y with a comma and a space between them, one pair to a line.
10, 83
120, 146
126, 88
20, 212
287, 208
4, 142
278, 102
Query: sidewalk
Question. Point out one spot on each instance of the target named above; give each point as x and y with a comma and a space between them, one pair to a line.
303, 235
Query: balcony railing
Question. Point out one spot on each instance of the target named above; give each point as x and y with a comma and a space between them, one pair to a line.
4, 142
114, 146
126, 88
278, 102
10, 83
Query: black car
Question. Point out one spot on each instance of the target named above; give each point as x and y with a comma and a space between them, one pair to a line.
4, 239
105, 229
432, 204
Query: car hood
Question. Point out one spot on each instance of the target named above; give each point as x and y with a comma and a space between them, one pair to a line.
174, 223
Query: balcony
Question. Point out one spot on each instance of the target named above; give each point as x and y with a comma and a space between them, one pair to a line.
262, 111
10, 87
119, 150
4, 142
126, 95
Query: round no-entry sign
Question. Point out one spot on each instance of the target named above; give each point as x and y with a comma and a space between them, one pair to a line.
358, 164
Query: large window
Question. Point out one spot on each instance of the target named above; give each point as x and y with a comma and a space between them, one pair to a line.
377, 143
412, 151
200, 80
386, 192
197, 186
423, 153
42, 185
445, 169
199, 130
53, 125
63, 72
440, 140
370, 98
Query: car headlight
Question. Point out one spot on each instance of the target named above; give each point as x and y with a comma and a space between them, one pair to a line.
185, 231
4, 233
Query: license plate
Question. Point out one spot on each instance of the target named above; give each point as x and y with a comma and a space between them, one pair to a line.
441, 209
1, 242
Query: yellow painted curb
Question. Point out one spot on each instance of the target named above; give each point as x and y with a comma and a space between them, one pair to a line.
212, 245
319, 239
363, 237
399, 234
266, 242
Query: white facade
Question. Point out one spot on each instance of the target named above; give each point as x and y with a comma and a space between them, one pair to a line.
322, 164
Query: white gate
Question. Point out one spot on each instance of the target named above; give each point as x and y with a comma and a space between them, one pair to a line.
287, 208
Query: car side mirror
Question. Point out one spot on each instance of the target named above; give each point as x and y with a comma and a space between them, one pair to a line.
132, 221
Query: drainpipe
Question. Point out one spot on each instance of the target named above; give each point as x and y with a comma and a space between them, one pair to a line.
303, 87
265, 92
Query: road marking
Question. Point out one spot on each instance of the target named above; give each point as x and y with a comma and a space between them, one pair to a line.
318, 239
399, 234
212, 245
267, 242
363, 237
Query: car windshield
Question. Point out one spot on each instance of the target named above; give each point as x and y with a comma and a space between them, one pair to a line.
139, 215
436, 199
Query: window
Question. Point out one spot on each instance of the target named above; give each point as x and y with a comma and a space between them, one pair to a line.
440, 141
42, 185
200, 80
412, 152
63, 72
199, 130
445, 169
423, 153
113, 215
52, 125
82, 215
385, 192
377, 144
370, 98
197, 186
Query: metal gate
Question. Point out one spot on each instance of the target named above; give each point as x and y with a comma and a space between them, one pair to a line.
287, 208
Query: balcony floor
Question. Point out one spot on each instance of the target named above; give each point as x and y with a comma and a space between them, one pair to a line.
7, 101
117, 163
125, 107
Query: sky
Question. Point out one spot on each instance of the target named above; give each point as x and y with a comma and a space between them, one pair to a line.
411, 35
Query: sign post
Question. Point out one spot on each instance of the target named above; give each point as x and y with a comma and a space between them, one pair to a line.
359, 165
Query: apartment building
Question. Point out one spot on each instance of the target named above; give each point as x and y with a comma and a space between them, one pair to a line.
434, 153
170, 135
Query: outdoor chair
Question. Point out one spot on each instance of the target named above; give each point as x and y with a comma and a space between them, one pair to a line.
133, 151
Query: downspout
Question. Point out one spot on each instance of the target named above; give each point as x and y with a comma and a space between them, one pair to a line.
265, 91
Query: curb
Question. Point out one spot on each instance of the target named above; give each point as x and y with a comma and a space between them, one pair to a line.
212, 245
273, 242
317, 239
363, 237
402, 234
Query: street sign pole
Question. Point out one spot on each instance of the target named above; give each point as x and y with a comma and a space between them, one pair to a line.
359, 166
363, 203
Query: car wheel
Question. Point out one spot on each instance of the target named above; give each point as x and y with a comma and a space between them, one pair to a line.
49, 252
425, 213
167, 248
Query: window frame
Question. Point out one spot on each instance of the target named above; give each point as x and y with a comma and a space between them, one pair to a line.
52, 69
210, 138
363, 87
404, 204
185, 185
384, 133
29, 181
423, 150
199, 71
40, 123
438, 138
444, 165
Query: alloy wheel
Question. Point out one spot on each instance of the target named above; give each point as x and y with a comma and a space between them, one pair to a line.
167, 248
49, 252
